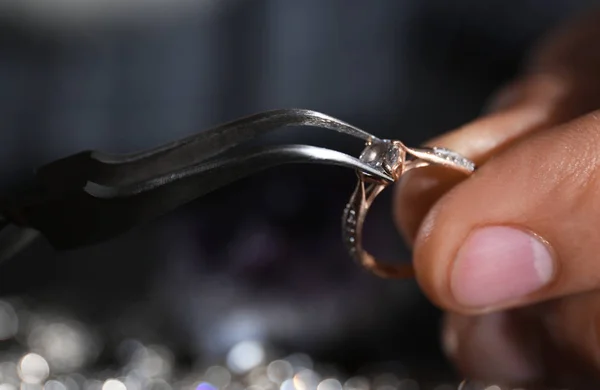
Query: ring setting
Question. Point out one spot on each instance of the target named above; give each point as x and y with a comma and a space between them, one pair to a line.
395, 159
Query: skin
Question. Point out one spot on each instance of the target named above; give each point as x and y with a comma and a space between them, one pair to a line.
538, 152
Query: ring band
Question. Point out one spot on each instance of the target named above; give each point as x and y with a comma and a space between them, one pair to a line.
396, 159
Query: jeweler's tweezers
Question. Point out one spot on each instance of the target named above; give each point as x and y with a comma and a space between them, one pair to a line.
92, 196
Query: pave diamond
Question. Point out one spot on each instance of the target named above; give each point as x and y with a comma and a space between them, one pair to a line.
454, 157
349, 228
382, 153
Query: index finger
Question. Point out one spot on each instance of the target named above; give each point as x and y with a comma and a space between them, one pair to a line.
561, 83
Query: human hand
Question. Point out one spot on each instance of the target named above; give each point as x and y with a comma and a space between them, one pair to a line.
513, 252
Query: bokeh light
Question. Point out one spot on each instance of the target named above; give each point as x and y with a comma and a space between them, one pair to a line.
357, 383
33, 369
66, 344
280, 370
330, 384
93, 384
300, 361
218, 376
306, 380
205, 386
113, 384
152, 362
248, 365
7, 386
288, 385
54, 385
244, 356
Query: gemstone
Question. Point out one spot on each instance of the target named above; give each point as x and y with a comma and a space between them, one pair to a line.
392, 156
381, 153
454, 157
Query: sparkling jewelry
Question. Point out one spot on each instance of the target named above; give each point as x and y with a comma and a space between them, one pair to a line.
395, 159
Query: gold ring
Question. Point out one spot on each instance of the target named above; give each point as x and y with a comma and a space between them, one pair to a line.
396, 159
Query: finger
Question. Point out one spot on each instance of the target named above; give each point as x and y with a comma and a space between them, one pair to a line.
559, 85
522, 229
420, 189
493, 348
572, 325
515, 348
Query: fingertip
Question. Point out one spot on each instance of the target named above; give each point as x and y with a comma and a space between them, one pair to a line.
492, 347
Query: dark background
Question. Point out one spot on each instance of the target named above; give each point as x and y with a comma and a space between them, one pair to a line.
261, 258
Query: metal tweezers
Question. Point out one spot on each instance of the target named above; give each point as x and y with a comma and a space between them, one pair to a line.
92, 196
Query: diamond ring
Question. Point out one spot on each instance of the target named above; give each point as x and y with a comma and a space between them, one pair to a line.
395, 159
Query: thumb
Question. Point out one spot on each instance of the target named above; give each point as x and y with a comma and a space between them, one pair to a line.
522, 229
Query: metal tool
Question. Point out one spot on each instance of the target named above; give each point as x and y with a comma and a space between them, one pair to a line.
91, 196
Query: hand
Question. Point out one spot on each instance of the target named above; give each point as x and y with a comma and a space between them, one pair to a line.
513, 252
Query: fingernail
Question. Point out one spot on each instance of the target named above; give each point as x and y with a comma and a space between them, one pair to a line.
498, 264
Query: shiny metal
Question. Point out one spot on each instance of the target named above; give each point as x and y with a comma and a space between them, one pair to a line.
93, 196
220, 172
216, 141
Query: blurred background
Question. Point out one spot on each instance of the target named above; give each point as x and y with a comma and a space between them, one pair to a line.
255, 272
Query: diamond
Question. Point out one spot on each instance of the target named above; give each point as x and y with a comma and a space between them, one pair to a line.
392, 156
454, 157
382, 153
